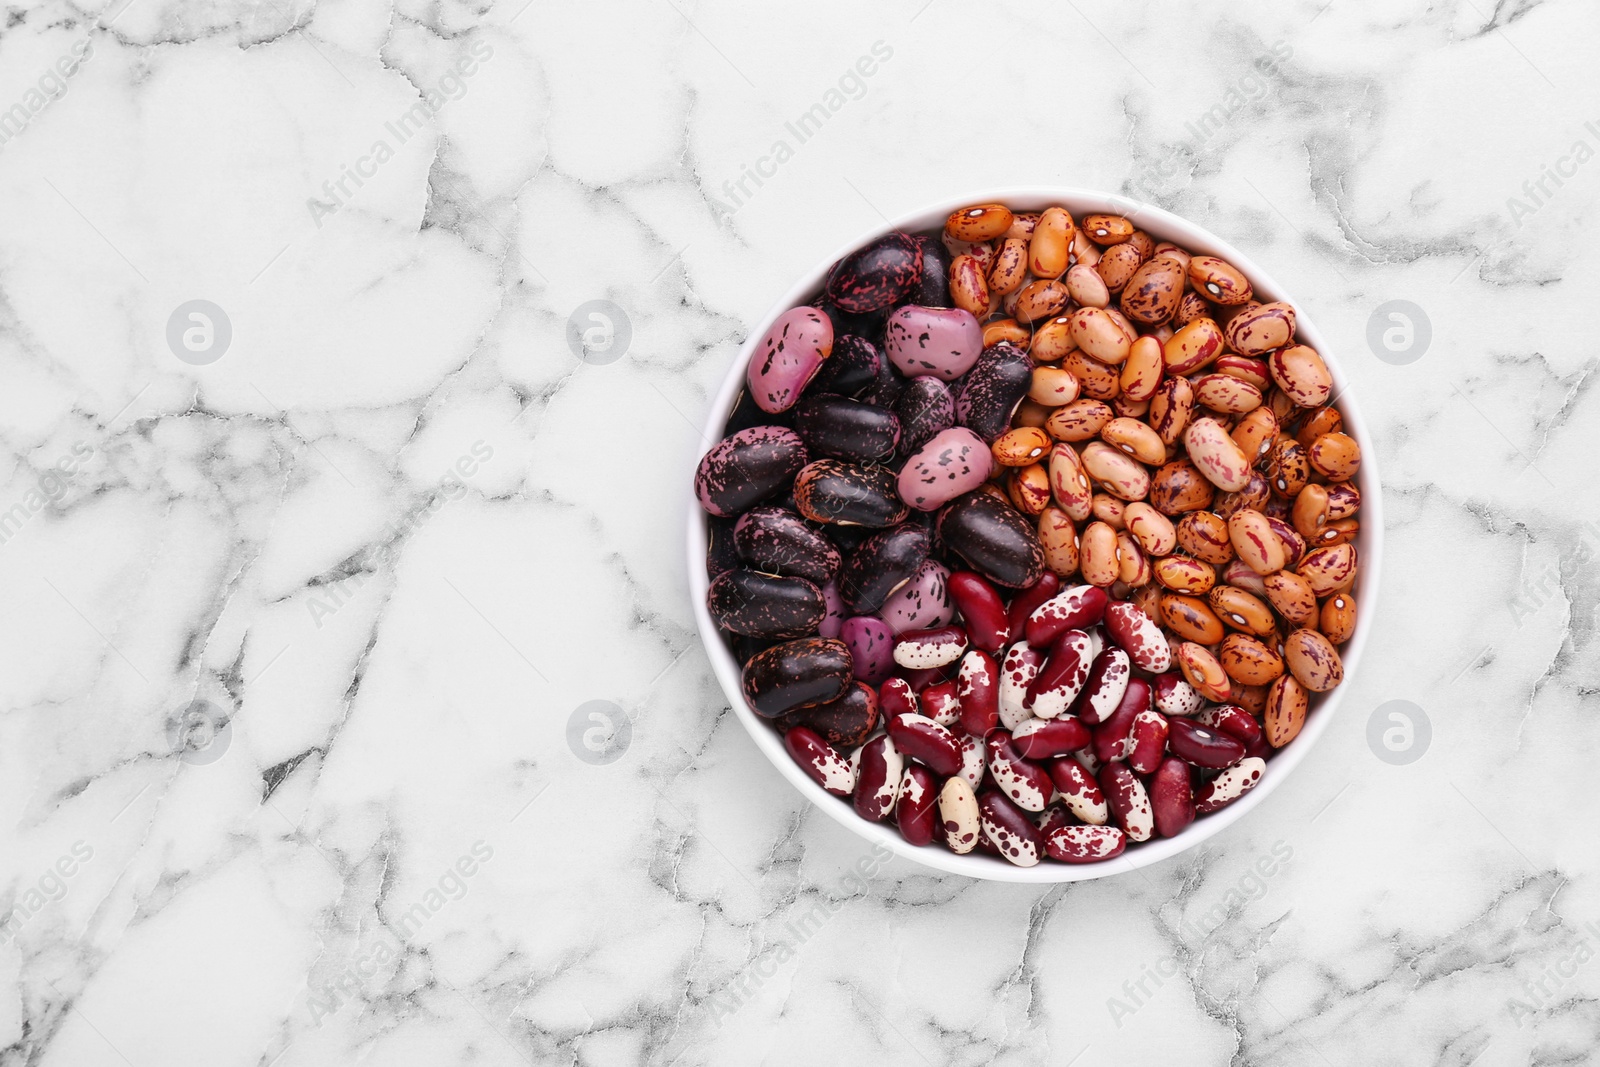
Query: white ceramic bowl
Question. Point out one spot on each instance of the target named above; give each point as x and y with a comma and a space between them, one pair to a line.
1162, 226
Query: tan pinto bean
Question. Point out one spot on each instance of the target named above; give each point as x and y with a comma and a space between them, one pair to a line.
1144, 243
1193, 347
1245, 368
1118, 474
1216, 455
1178, 255
1238, 573
1191, 306
1141, 371
1338, 532
1136, 439
1252, 698
1292, 595
1220, 281
1338, 619
1290, 470
1040, 300
1058, 536
1032, 413
1281, 405
1344, 500
1319, 422
1171, 408
1052, 386
1029, 488
1098, 334
1128, 408
1241, 610
1084, 251
1255, 432
1248, 661
1023, 225
982, 222
1285, 711
1117, 266
1310, 512
1191, 618
1106, 230
1099, 380
1201, 669
1335, 456
1020, 447
1255, 495
1155, 531
1097, 555
1258, 330
1109, 510
1313, 660
1069, 483
1329, 570
1052, 340
1302, 375
1005, 330
1178, 487
1135, 570
1226, 394
1183, 574
1010, 266
1253, 539
1152, 294
968, 289
1050, 248
1078, 421
1086, 287
1204, 535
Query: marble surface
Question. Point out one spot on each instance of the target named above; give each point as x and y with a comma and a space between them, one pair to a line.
302, 633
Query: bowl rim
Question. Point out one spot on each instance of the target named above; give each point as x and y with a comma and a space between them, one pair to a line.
1161, 225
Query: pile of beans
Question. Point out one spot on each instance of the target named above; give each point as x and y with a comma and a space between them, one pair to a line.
1035, 535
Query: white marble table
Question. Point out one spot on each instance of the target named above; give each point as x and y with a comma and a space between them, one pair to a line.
394, 535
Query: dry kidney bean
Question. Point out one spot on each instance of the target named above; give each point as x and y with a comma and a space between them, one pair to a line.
1170, 452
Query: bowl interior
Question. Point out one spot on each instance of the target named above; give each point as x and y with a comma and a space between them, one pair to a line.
1161, 225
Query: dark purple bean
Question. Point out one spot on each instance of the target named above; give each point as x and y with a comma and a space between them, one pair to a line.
994, 538
747, 468
778, 541
765, 605
883, 562
796, 674
847, 429
876, 276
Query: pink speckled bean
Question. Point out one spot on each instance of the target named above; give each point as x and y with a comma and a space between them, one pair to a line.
943, 342
788, 357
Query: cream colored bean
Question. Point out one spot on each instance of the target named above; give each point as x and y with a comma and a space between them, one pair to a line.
1253, 539
1156, 534
1119, 475
1216, 455
958, 811
1136, 439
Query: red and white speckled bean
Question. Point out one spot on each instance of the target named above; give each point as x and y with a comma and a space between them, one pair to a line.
879, 766
1175, 696
1085, 844
1026, 783
978, 692
921, 650
1137, 635
1071, 609
958, 810
1014, 836
919, 737
1147, 740
1128, 800
916, 805
1039, 739
1172, 797
1230, 785
820, 760
1017, 672
1061, 679
1108, 682
974, 764
940, 703
1078, 789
